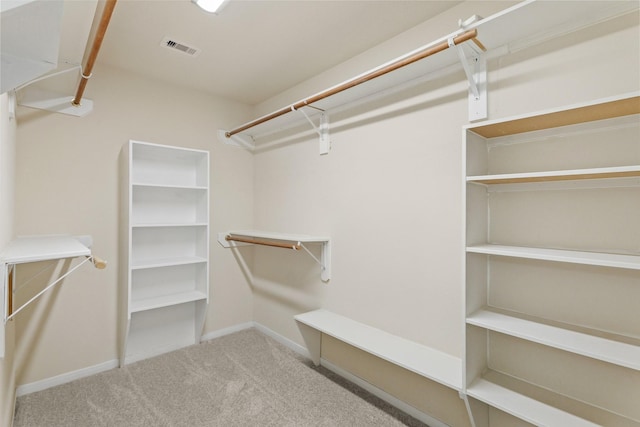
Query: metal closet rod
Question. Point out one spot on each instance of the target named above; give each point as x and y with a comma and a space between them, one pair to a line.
263, 242
467, 35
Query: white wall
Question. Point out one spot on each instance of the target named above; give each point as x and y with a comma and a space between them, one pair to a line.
67, 182
7, 171
389, 192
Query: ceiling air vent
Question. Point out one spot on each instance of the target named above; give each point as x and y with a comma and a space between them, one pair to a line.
175, 45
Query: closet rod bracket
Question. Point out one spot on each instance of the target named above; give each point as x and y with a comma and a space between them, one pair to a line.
475, 69
322, 129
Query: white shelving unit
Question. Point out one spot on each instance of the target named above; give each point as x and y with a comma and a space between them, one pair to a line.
165, 235
551, 259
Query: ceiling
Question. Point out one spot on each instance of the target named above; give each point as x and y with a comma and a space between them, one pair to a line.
251, 50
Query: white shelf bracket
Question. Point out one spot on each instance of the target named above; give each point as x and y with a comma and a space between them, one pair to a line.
477, 76
237, 140
324, 261
322, 129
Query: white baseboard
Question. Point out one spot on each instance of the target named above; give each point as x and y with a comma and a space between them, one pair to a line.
65, 378
282, 340
404, 407
226, 331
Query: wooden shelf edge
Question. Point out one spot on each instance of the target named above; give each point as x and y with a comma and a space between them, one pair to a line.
607, 108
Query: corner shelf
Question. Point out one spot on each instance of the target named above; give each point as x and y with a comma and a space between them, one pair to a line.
236, 238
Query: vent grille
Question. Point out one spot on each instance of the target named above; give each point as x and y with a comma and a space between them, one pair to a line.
173, 44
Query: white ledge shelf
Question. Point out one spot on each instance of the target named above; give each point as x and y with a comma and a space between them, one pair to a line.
165, 262
618, 353
236, 238
169, 224
35, 249
523, 407
166, 300
425, 361
43, 248
564, 175
631, 262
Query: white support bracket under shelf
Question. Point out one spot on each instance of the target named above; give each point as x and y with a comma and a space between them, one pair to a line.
232, 239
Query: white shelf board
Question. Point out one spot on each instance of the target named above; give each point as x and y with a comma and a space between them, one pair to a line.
615, 352
166, 262
430, 363
524, 24
523, 407
166, 300
563, 175
631, 262
169, 224
43, 248
168, 186
302, 238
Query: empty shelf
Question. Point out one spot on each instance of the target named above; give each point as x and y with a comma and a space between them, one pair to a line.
430, 363
576, 257
523, 407
166, 300
563, 175
619, 353
43, 248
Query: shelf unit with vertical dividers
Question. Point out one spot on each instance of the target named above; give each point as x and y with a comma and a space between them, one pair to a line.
552, 266
165, 237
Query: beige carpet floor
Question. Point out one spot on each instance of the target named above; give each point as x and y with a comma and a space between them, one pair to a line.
243, 379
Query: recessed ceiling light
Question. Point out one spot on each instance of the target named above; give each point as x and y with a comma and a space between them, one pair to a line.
211, 6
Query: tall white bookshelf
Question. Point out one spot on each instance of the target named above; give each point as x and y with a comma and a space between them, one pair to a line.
164, 269
552, 266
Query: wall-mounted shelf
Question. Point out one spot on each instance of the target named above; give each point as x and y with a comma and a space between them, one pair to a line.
29, 249
559, 255
43, 248
231, 239
525, 24
425, 361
